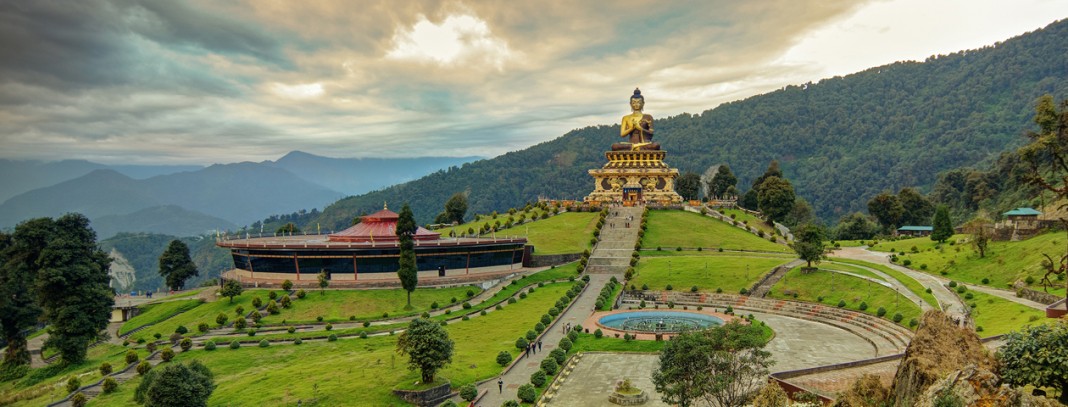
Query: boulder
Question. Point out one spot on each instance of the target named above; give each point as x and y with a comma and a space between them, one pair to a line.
938, 349
975, 386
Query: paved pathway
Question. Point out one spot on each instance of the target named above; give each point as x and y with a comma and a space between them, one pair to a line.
527, 365
888, 282
951, 304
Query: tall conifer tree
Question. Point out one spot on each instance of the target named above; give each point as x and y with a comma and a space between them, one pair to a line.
408, 274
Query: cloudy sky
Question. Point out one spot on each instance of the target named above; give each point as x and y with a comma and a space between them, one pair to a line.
200, 82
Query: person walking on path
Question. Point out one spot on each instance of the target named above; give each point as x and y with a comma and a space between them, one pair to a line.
500, 385
539, 345
526, 351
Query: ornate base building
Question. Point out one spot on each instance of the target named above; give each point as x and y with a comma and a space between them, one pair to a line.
636, 171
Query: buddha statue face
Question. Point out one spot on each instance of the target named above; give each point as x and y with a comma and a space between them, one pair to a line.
637, 104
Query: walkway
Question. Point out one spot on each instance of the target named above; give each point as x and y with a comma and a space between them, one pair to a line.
888, 282
951, 304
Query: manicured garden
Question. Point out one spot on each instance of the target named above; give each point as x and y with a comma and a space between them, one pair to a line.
568, 232
748, 219
996, 316
156, 313
709, 273
835, 289
342, 305
472, 227
670, 229
203, 313
909, 282
43, 385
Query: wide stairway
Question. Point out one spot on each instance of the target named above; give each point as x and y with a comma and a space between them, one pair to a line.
612, 252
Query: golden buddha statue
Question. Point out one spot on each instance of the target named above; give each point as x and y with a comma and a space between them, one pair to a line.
637, 126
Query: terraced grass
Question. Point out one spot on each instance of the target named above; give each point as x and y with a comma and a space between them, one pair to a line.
1003, 263
339, 305
154, 313
830, 288
43, 385
564, 233
998, 316
474, 225
204, 313
748, 220
909, 282
849, 269
670, 229
708, 273
363, 370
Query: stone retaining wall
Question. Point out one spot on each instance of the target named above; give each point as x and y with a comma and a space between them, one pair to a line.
545, 260
1037, 296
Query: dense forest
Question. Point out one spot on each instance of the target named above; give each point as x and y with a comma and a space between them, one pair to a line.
840, 141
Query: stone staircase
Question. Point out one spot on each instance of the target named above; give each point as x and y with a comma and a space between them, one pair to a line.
612, 253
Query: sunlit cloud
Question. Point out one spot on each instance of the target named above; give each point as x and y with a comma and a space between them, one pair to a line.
301, 91
457, 38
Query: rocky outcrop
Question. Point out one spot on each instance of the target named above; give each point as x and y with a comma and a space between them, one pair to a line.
867, 391
938, 349
121, 272
975, 386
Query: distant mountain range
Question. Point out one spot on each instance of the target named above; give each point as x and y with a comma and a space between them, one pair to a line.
840, 141
189, 200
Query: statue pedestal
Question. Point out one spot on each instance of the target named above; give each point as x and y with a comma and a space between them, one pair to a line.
635, 176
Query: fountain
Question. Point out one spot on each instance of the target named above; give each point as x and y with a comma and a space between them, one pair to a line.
625, 394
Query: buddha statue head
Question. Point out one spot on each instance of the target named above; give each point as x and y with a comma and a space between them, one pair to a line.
637, 102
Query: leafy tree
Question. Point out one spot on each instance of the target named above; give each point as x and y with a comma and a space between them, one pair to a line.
887, 209
324, 281
428, 347
942, 227
773, 170
1036, 356
288, 229
456, 208
1047, 159
72, 287
776, 198
980, 238
176, 266
808, 243
176, 385
855, 226
18, 271
800, 214
231, 289
407, 272
717, 366
722, 181
917, 209
688, 185
749, 200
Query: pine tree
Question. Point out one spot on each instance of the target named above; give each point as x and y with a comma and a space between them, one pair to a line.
941, 225
407, 272
175, 265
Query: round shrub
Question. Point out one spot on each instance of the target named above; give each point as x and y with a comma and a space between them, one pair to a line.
329, 327
669, 287
209, 346
538, 378
109, 385
257, 302
841, 303
298, 341
546, 319
105, 369
157, 335
898, 317
913, 322
363, 334
301, 294
521, 343
565, 344
251, 332
272, 295
469, 392
272, 307
79, 400
203, 327
287, 285
286, 302
863, 306
522, 295
186, 344
181, 330
366, 324
961, 289
239, 310
425, 314
331, 338
526, 393
291, 329
549, 365
598, 334
559, 355
952, 283
264, 343
73, 384
235, 344
986, 281
166, 354
504, 358
434, 305
968, 296
143, 367
531, 335
131, 356
240, 323
881, 311
539, 327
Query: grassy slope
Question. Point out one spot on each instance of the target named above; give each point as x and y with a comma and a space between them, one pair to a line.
909, 282
205, 313
834, 287
997, 316
338, 305
670, 229
363, 368
730, 273
748, 220
534, 213
564, 233
1004, 263
154, 313
36, 388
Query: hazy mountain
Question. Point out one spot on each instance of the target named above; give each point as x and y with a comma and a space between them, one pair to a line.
840, 141
239, 193
359, 175
18, 176
168, 219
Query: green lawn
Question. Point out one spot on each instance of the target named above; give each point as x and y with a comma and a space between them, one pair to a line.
670, 229
906, 245
205, 313
154, 313
730, 273
834, 287
748, 220
1003, 263
339, 305
364, 368
909, 282
36, 388
849, 269
475, 225
564, 233
997, 315
589, 343
845, 243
